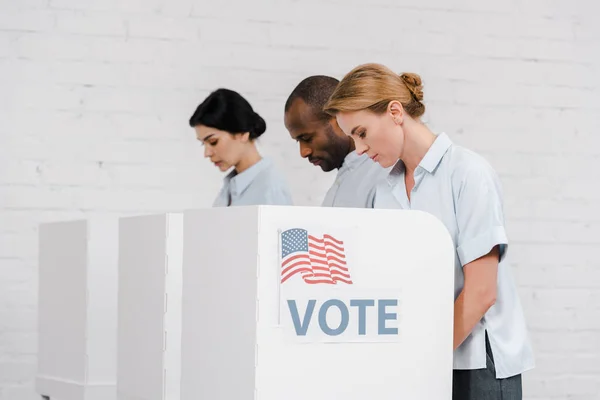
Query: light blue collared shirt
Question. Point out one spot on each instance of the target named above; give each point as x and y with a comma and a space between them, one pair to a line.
261, 184
461, 189
355, 183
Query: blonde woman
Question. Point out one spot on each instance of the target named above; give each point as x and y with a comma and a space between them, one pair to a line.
381, 110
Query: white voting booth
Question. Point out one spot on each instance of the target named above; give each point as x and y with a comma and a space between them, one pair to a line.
77, 313
316, 303
267, 303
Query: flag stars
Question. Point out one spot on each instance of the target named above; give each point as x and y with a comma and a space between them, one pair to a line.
294, 240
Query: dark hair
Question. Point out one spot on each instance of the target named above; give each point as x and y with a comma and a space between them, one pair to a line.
228, 111
315, 92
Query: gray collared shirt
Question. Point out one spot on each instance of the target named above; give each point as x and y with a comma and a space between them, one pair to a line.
461, 189
355, 183
261, 184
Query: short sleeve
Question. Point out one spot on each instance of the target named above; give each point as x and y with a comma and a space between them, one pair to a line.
479, 213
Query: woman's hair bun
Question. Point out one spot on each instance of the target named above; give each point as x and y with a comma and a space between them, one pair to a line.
260, 126
414, 84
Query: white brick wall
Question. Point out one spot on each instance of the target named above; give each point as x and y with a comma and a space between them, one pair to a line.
95, 97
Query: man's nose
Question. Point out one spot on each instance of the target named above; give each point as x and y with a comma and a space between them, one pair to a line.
305, 151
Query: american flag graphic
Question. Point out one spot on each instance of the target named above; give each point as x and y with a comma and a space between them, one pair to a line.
316, 259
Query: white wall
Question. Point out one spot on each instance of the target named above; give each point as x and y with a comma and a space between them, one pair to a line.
95, 98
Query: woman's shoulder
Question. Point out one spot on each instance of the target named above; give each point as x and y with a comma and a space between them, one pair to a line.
272, 173
463, 158
273, 185
468, 165
271, 181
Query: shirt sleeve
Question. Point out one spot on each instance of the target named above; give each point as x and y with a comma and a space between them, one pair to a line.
479, 213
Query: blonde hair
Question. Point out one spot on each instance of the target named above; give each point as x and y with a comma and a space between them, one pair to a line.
372, 87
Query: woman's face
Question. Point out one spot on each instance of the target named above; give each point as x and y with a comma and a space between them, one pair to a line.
379, 135
224, 149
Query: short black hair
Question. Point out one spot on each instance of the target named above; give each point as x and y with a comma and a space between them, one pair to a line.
227, 110
314, 91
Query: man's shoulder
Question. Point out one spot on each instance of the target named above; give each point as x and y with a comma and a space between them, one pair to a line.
371, 169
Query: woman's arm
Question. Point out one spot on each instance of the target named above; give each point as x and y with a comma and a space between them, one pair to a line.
477, 296
481, 242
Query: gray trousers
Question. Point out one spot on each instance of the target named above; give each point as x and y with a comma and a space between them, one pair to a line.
482, 384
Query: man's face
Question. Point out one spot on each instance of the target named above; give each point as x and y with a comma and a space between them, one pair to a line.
322, 142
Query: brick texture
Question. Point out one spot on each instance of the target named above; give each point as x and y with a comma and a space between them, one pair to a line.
95, 97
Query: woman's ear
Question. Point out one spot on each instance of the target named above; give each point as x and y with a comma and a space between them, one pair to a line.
396, 111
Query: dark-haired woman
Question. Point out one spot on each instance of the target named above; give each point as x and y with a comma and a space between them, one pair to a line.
227, 126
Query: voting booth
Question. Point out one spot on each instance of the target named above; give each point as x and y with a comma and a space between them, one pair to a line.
316, 303
149, 339
252, 302
77, 309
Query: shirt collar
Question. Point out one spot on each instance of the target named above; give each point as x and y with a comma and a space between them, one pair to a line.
239, 182
430, 161
436, 152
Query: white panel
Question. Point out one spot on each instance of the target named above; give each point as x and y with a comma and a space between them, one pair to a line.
77, 309
173, 288
142, 264
62, 301
237, 344
387, 251
219, 303
102, 283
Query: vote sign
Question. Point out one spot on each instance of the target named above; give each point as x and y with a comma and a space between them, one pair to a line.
321, 300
